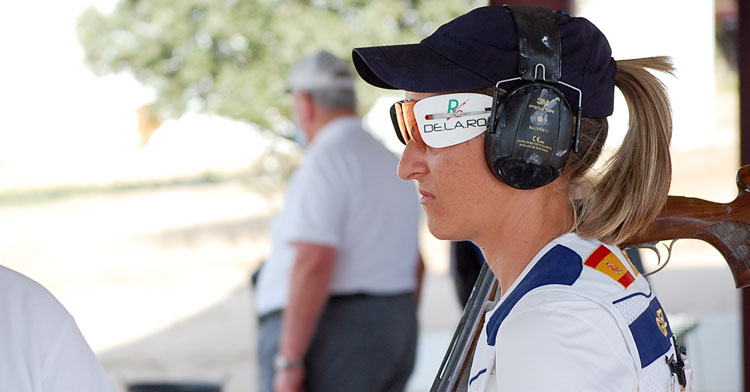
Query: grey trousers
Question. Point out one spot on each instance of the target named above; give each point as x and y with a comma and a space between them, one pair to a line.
362, 343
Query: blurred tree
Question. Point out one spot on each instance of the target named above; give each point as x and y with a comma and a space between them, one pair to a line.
230, 57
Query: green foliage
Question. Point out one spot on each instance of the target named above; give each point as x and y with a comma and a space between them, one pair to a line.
230, 57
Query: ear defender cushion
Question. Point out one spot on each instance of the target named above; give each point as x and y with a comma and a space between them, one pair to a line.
530, 137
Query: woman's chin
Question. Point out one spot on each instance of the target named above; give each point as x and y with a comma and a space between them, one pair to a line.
442, 230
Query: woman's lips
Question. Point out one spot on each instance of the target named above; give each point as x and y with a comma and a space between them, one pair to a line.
426, 197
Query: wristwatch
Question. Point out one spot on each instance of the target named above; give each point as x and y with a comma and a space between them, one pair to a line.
280, 362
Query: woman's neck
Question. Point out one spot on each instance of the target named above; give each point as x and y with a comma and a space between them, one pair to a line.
509, 247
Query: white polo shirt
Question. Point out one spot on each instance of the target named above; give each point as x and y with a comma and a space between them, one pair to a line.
41, 348
346, 195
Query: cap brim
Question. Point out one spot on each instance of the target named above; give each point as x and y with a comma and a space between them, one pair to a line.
413, 67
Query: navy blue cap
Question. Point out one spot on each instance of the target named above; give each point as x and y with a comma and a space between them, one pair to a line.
480, 48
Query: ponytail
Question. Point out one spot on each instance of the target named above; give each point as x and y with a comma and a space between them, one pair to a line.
633, 186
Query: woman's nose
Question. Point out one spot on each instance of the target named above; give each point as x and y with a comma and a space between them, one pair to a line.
412, 165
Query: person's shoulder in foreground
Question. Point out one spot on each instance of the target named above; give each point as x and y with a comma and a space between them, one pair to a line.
41, 348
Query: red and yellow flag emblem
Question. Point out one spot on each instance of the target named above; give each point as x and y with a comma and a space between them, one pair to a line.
603, 260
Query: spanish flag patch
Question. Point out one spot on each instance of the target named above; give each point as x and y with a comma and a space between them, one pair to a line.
603, 260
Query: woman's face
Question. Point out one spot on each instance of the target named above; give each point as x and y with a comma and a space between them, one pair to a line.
460, 196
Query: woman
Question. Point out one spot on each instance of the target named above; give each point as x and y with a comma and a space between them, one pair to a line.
574, 315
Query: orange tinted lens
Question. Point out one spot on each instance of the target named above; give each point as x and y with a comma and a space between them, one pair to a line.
401, 126
404, 122
410, 122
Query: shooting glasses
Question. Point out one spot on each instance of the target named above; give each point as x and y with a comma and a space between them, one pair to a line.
442, 120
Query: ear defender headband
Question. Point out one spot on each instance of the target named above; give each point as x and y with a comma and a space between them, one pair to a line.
530, 133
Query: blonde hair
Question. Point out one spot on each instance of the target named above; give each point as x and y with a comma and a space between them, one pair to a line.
632, 188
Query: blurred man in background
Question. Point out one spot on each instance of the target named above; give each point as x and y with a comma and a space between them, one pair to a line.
337, 297
41, 348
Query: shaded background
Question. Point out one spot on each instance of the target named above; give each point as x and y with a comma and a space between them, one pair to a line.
143, 151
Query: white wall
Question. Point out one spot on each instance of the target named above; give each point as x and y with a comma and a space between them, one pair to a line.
682, 30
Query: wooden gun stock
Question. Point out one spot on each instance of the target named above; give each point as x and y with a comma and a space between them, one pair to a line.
725, 226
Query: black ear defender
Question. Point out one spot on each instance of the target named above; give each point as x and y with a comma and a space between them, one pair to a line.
531, 132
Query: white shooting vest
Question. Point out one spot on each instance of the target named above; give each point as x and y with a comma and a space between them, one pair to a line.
599, 273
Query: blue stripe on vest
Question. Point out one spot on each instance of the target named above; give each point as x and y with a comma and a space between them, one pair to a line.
647, 296
560, 265
647, 332
477, 376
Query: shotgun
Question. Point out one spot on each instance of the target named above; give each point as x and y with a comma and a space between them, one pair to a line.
725, 226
